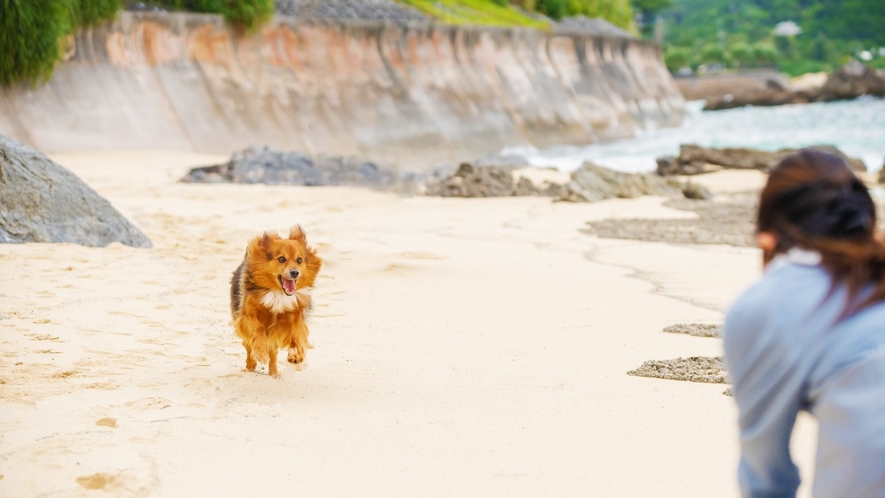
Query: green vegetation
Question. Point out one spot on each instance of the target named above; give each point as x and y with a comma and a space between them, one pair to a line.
617, 12
741, 34
245, 14
33, 33
485, 12
502, 13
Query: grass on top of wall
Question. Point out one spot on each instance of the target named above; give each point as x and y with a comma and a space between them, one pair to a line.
483, 12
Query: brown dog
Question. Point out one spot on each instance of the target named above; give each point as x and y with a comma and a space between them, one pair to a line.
270, 297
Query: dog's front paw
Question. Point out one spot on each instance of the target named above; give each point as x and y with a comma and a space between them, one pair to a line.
294, 356
259, 353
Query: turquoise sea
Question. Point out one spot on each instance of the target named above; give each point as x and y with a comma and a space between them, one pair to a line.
857, 127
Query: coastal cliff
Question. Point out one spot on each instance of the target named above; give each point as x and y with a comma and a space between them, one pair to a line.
414, 94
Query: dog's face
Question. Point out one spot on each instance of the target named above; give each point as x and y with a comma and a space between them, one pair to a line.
283, 265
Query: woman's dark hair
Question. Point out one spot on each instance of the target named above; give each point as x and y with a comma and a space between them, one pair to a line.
814, 201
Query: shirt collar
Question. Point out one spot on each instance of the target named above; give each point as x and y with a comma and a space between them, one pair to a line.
796, 256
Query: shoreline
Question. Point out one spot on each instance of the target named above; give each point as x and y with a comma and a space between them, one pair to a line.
462, 345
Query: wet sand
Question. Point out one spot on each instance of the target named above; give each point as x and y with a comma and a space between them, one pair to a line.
463, 347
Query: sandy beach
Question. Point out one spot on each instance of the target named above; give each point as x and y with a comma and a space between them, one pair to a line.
464, 347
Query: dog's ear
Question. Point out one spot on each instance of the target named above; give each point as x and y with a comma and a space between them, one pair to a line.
263, 244
297, 233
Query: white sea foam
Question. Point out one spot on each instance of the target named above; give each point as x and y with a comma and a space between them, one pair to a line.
856, 127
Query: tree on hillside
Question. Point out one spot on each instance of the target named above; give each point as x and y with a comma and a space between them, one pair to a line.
33, 33
830, 29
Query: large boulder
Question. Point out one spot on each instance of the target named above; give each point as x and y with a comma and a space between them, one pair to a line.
262, 164
42, 202
591, 183
853, 80
695, 160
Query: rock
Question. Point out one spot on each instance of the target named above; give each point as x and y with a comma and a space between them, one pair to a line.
692, 369
695, 160
693, 190
591, 183
695, 329
475, 180
41, 201
853, 80
774, 94
262, 164
809, 82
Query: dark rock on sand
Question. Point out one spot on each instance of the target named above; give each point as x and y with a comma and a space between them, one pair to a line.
695, 160
693, 190
41, 201
591, 183
853, 80
695, 329
694, 369
476, 180
262, 164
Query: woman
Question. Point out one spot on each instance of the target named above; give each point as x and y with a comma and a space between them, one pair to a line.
810, 335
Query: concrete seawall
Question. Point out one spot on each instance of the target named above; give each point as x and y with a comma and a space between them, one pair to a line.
416, 95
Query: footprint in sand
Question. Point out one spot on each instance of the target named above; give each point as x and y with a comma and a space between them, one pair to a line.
99, 480
107, 422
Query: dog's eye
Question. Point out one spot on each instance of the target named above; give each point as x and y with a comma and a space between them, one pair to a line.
281, 259
299, 261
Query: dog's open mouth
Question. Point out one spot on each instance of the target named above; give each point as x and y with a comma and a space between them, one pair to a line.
288, 285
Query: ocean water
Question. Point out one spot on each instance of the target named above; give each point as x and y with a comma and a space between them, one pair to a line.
856, 127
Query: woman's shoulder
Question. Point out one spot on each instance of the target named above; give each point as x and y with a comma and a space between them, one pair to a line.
784, 283
786, 291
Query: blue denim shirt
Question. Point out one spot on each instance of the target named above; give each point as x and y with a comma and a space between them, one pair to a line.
786, 350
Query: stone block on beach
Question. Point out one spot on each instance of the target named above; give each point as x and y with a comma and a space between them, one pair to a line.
263, 164
696, 160
41, 201
591, 183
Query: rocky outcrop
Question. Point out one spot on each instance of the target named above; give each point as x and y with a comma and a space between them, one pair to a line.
692, 369
850, 81
695, 160
853, 80
414, 94
591, 183
42, 202
478, 180
263, 164
695, 329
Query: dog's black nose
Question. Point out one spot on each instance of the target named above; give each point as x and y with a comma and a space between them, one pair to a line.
293, 273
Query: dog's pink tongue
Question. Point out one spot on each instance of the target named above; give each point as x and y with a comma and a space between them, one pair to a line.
289, 286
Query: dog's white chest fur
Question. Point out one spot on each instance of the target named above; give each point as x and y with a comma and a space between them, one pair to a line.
278, 302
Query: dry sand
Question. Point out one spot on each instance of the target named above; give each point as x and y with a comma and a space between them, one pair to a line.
471, 347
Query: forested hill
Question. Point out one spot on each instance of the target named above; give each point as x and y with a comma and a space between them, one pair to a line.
740, 32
